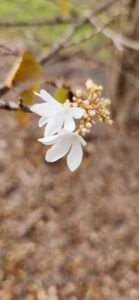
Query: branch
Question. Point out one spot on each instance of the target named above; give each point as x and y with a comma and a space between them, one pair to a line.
118, 39
80, 41
11, 106
24, 85
104, 4
38, 23
61, 44
4, 50
92, 34
51, 22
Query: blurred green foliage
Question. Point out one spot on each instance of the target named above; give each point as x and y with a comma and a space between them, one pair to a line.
47, 35
21, 9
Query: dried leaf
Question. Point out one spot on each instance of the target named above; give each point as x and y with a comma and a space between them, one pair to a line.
25, 68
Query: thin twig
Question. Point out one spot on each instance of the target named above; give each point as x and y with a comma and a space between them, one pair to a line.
12, 106
78, 42
4, 50
90, 35
61, 44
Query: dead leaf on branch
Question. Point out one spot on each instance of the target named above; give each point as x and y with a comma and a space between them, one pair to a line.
25, 68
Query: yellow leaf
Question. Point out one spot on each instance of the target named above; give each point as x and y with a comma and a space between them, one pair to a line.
61, 94
64, 7
25, 68
28, 98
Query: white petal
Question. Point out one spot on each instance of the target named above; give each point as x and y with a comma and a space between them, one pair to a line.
48, 98
69, 123
50, 140
77, 112
43, 109
43, 121
55, 123
75, 155
82, 141
45, 96
57, 151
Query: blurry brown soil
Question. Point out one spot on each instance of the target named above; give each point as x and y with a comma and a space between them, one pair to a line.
69, 235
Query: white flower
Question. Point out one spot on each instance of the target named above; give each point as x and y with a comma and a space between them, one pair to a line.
55, 114
65, 143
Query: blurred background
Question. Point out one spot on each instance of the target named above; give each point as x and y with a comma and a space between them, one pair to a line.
69, 236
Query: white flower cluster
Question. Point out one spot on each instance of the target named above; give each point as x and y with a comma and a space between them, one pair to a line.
60, 129
59, 120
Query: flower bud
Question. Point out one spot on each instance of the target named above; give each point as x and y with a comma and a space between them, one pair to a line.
85, 115
84, 131
78, 93
86, 102
107, 101
74, 104
88, 125
92, 113
110, 122
89, 84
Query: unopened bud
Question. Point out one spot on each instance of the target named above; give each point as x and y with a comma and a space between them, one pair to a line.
100, 87
85, 115
84, 131
108, 101
92, 113
86, 102
110, 122
89, 84
88, 125
88, 131
78, 93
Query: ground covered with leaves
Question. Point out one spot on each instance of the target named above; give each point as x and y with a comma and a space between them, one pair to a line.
69, 236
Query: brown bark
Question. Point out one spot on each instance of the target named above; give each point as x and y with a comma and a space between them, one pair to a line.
125, 83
